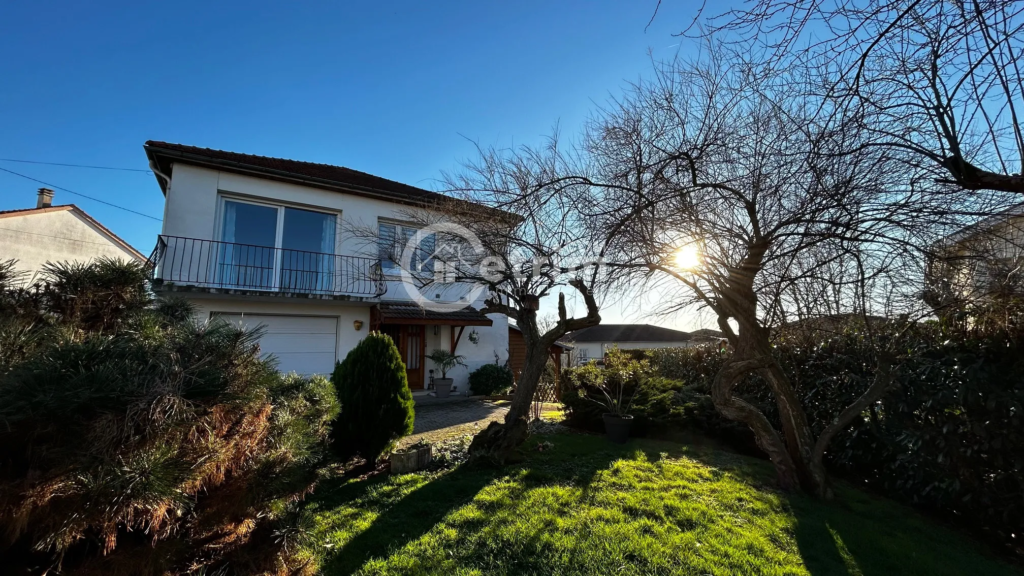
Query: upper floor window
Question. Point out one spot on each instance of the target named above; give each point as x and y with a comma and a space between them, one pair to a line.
276, 247
392, 239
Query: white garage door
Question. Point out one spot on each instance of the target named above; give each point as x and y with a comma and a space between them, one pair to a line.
303, 344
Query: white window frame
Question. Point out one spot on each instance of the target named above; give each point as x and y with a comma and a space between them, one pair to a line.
279, 228
400, 227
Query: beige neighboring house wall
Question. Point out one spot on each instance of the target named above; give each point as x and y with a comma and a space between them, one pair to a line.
980, 261
36, 236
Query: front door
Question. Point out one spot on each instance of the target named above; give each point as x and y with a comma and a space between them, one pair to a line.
411, 342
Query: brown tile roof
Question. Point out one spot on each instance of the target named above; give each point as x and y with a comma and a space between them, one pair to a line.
628, 333
164, 154
28, 211
413, 314
65, 207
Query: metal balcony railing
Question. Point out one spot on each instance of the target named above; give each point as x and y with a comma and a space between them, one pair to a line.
230, 266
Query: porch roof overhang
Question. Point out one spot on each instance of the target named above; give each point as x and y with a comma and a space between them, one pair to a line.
413, 314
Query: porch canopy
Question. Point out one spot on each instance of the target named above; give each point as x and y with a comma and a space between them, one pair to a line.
412, 315
387, 313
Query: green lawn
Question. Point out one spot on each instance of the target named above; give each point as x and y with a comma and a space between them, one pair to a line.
589, 507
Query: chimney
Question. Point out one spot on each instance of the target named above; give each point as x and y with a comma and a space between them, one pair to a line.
45, 198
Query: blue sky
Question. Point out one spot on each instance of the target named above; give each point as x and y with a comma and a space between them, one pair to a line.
394, 89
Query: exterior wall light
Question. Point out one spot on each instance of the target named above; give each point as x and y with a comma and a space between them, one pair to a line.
358, 325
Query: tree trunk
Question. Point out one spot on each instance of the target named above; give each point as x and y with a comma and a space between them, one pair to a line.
736, 409
799, 438
498, 441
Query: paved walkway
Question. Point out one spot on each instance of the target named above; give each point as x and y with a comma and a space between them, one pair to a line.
436, 422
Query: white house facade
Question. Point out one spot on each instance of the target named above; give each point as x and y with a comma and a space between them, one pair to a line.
298, 248
594, 342
47, 233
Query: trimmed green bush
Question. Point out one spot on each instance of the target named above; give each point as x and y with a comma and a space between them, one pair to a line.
491, 380
376, 403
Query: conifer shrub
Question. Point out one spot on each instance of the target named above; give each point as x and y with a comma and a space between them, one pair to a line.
376, 403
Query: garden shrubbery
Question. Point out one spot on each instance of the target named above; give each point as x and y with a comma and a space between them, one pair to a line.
135, 440
491, 380
376, 403
948, 438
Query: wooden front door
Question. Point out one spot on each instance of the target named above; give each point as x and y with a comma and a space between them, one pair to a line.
411, 341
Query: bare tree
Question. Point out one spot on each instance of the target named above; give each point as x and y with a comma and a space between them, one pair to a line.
938, 79
715, 176
522, 239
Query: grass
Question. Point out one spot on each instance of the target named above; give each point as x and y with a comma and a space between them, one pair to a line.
583, 506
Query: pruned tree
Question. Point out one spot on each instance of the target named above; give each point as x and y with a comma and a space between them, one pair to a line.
521, 239
938, 79
718, 177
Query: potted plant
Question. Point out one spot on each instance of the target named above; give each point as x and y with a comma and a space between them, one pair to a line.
415, 457
617, 420
445, 361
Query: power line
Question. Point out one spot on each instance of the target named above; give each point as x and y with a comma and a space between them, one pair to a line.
76, 165
83, 195
76, 240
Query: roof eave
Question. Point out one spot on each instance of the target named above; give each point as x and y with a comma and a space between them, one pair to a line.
154, 154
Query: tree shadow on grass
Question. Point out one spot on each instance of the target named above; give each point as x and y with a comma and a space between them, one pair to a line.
411, 517
860, 534
415, 514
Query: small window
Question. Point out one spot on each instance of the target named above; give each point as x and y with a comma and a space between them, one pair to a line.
392, 240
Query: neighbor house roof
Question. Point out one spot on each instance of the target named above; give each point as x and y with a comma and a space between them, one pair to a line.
985, 223
163, 156
628, 333
114, 238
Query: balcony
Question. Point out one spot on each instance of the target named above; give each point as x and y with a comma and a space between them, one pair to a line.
225, 267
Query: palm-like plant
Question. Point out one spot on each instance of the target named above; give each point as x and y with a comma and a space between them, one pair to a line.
615, 399
446, 360
142, 420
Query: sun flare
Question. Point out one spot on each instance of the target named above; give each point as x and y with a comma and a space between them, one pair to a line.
688, 257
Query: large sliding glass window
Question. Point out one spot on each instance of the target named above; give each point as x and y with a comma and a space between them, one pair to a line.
307, 259
247, 257
276, 248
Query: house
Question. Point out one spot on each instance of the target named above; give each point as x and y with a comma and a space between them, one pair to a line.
978, 263
48, 233
283, 244
594, 342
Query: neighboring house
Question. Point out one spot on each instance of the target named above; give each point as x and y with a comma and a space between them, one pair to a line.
978, 263
828, 326
594, 342
705, 335
284, 244
48, 233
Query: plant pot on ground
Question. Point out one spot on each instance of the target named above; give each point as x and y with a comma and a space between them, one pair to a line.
411, 459
616, 427
445, 361
617, 419
442, 387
